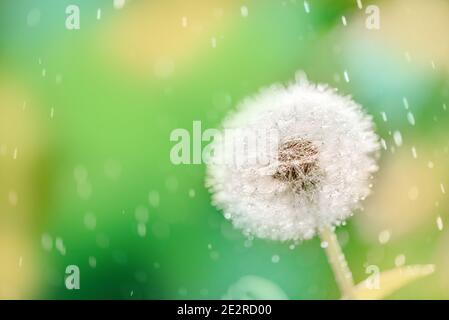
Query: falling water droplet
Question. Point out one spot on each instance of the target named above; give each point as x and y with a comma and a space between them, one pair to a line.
306, 7
244, 11
411, 118
405, 102
397, 138
345, 74
439, 223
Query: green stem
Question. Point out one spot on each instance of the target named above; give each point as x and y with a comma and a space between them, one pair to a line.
337, 260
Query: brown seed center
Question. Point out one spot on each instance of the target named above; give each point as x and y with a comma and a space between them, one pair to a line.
298, 164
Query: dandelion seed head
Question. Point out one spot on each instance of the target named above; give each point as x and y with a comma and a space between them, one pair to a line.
298, 164
307, 166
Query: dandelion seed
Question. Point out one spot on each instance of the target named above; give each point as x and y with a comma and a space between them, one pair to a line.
359, 4
52, 113
324, 244
384, 116
213, 42
439, 223
306, 7
430, 165
44, 72
343, 20
432, 63
192, 193
14, 156
20, 262
244, 11
443, 190
397, 137
275, 258
98, 14
304, 184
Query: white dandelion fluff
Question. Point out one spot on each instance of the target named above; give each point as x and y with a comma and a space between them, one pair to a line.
292, 160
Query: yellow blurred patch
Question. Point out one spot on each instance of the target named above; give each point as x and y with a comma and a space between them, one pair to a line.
21, 144
154, 38
407, 192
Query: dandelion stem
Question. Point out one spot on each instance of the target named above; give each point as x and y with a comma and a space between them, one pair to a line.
337, 260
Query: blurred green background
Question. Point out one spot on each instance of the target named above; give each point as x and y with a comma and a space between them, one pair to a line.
85, 120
